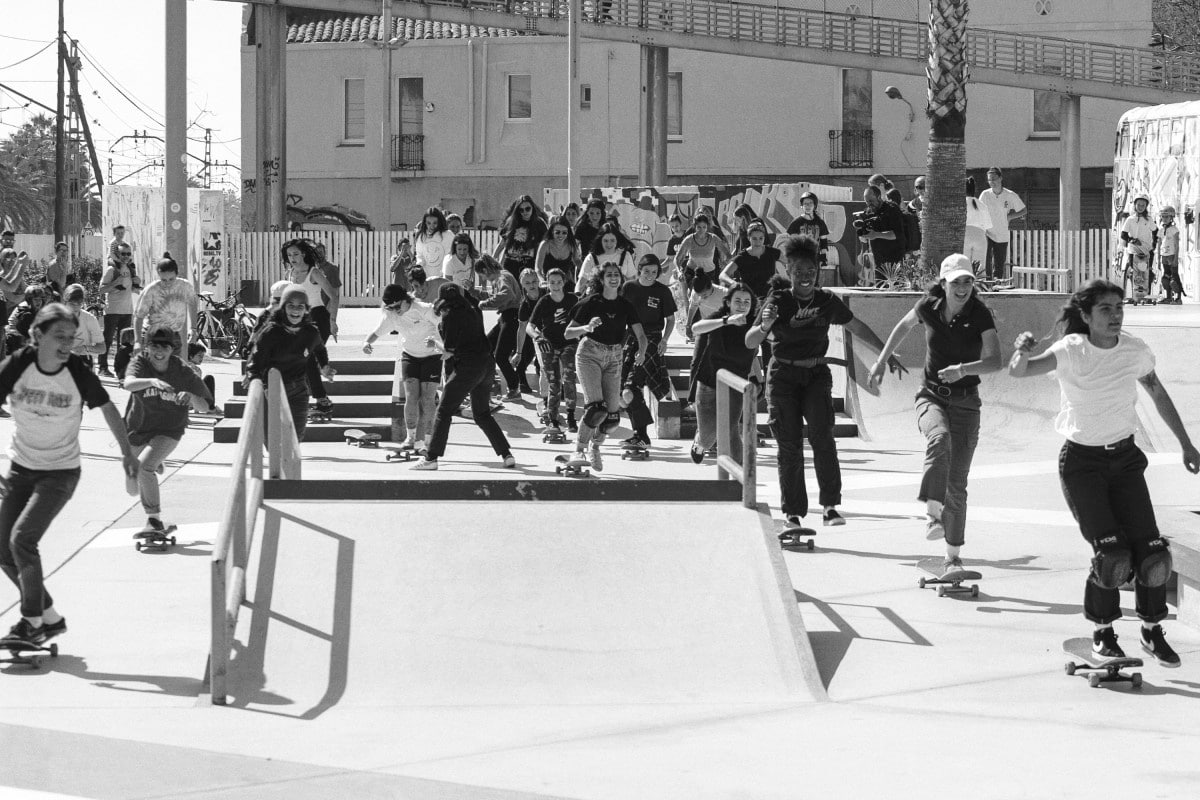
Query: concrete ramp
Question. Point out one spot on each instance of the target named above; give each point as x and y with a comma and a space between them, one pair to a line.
490, 603
1176, 350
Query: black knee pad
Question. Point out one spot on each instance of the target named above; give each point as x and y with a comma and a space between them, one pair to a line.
595, 414
611, 421
1113, 563
1155, 565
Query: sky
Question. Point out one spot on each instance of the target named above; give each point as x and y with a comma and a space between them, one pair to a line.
122, 81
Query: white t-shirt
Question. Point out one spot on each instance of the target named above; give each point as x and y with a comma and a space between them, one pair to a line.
998, 206
47, 409
87, 333
1098, 388
1142, 229
165, 303
1168, 243
414, 327
621, 258
457, 271
711, 304
430, 251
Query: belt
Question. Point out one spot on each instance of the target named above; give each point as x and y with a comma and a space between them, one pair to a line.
1118, 445
803, 362
942, 390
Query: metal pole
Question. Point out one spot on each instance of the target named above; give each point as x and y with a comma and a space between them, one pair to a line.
573, 179
174, 166
385, 125
60, 144
657, 116
1069, 164
271, 119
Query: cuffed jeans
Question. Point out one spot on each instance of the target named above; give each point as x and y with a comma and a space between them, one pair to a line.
1107, 493
799, 395
599, 369
469, 376
950, 426
151, 455
706, 419
33, 501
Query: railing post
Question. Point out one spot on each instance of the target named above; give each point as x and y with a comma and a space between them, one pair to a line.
749, 444
723, 432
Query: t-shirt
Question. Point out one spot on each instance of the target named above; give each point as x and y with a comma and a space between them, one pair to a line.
165, 303
1169, 243
953, 342
801, 330
654, 304
755, 271
814, 228
998, 206
120, 301
47, 409
1098, 388
615, 315
723, 348
710, 304
1142, 229
87, 332
154, 412
333, 274
431, 249
888, 251
525, 311
455, 271
414, 326
593, 262
551, 316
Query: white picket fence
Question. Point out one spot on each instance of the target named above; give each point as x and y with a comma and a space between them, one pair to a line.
1059, 261
364, 257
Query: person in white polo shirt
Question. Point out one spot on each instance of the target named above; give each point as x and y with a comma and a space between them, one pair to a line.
1004, 208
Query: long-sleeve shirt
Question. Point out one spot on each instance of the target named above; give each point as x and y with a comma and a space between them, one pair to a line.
462, 332
506, 295
287, 350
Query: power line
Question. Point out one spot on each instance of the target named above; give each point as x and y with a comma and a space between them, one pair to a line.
49, 44
113, 82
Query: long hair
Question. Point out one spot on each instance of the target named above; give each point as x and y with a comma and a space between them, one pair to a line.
583, 223
513, 220
596, 284
449, 298
623, 242
463, 238
305, 248
560, 221
739, 287
432, 211
1070, 318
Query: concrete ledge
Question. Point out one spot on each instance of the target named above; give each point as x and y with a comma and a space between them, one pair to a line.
1182, 526
544, 489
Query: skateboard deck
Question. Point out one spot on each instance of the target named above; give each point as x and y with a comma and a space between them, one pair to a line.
563, 468
793, 535
1099, 670
632, 452
949, 582
399, 452
553, 436
160, 540
36, 652
360, 438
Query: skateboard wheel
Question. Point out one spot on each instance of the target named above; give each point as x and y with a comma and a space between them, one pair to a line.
974, 591
810, 545
1136, 680
172, 541
1094, 680
138, 546
920, 583
54, 654
941, 590
1069, 668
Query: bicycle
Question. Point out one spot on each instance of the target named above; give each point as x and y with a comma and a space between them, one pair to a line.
225, 327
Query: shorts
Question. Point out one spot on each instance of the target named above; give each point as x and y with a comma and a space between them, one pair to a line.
426, 370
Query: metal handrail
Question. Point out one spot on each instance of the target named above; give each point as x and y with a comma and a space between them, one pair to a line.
235, 536
727, 465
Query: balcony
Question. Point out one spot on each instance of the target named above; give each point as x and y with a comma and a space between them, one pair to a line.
408, 151
852, 148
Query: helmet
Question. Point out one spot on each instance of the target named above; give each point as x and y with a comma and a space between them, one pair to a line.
1141, 196
809, 196
1167, 210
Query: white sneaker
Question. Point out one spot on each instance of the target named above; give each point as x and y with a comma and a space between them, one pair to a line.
426, 464
578, 459
934, 530
510, 462
596, 461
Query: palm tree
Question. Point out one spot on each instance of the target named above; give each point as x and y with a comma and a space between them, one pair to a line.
943, 222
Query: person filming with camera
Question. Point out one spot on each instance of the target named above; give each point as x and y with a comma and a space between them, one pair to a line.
881, 226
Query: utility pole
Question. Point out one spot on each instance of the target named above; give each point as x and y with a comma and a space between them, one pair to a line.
207, 173
175, 169
60, 144
573, 180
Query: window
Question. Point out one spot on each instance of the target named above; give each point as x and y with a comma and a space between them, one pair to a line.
856, 100
675, 104
520, 97
354, 111
585, 95
412, 106
1046, 113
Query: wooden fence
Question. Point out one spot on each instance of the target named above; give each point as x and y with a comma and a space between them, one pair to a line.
1060, 261
364, 257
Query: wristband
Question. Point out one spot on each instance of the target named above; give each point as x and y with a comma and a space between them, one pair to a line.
725, 320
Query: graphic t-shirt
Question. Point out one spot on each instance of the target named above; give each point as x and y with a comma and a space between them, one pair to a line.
47, 408
998, 206
755, 271
654, 304
801, 331
615, 315
155, 412
551, 316
165, 303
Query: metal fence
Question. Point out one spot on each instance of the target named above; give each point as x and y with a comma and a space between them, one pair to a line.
853, 147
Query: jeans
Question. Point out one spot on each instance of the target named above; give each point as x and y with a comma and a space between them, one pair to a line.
470, 376
150, 456
297, 397
799, 395
113, 325
33, 501
997, 256
558, 366
950, 426
599, 369
503, 339
1107, 493
316, 386
706, 419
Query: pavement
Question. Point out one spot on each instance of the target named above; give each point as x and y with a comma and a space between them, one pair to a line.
428, 678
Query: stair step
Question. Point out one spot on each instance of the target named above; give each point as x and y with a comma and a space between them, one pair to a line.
343, 385
226, 431
356, 406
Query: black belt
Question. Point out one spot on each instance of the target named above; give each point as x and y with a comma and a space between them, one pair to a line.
1123, 444
942, 390
807, 363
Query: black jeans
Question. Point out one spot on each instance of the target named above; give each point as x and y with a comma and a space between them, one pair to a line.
997, 257
113, 325
33, 501
320, 318
799, 395
1107, 493
469, 376
503, 339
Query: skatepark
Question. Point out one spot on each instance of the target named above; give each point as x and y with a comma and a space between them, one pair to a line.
611, 648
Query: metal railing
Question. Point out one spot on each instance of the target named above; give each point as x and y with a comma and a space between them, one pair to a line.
1000, 52
728, 466
408, 151
235, 537
852, 147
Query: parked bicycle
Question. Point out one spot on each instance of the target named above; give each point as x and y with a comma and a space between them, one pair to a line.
225, 327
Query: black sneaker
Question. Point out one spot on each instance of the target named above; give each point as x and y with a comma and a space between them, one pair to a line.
572, 426
24, 633
795, 521
153, 524
52, 629
697, 454
1104, 643
832, 517
1154, 642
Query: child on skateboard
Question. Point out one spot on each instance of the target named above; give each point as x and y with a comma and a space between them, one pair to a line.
1101, 468
961, 344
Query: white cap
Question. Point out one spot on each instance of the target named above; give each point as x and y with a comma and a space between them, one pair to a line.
955, 266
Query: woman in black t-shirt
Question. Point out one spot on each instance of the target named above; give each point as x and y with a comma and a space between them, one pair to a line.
961, 344
601, 321
721, 344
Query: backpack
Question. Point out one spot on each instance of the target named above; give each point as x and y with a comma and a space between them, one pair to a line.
912, 228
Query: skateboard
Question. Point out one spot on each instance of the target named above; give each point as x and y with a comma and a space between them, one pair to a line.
360, 438
794, 535
949, 582
634, 452
159, 540
1099, 670
553, 435
320, 416
399, 453
563, 468
15, 650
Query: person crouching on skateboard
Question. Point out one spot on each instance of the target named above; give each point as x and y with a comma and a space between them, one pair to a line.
799, 383
161, 389
1101, 468
655, 306
47, 388
961, 344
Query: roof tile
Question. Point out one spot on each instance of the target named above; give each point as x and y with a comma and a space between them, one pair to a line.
312, 27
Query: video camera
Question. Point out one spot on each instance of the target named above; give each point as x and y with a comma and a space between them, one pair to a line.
865, 222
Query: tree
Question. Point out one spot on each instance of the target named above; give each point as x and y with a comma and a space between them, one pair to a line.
943, 222
1176, 24
27, 172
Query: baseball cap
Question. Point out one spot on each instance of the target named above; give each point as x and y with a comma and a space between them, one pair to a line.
955, 266
161, 336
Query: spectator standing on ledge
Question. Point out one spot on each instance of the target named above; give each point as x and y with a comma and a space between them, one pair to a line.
1004, 208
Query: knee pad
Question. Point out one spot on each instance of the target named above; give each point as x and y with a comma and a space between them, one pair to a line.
611, 421
1113, 563
626, 397
1155, 565
595, 414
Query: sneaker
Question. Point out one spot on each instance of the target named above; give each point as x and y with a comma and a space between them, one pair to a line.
934, 530
697, 454
1104, 643
50, 630
597, 461
513, 394
510, 462
1154, 642
572, 426
153, 524
578, 459
409, 443
324, 404
952, 564
832, 517
104, 373
4, 413
427, 464
795, 521
24, 633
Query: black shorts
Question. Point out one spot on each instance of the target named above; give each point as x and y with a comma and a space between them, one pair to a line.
426, 370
